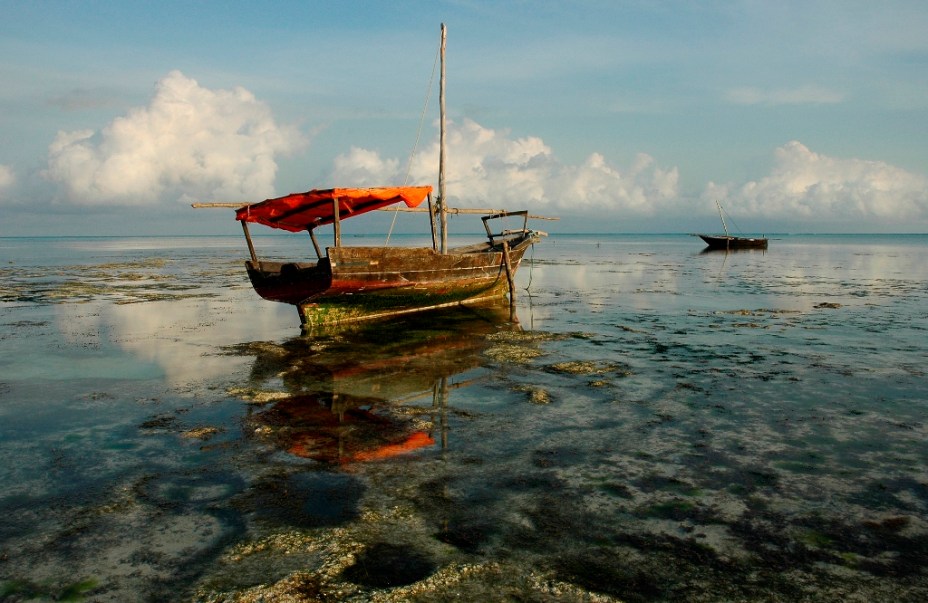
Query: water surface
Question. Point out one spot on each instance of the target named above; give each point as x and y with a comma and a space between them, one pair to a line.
660, 424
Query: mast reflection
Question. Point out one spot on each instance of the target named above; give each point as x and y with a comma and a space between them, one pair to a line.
372, 391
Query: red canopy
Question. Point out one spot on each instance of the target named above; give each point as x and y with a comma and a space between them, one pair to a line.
302, 211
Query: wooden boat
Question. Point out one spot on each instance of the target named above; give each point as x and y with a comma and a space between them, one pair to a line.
350, 283
732, 242
729, 241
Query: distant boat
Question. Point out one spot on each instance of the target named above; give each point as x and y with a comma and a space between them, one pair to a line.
732, 242
352, 283
729, 241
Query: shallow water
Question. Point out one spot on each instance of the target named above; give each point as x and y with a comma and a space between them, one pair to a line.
660, 424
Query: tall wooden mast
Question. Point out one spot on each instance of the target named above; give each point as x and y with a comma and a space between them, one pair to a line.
442, 214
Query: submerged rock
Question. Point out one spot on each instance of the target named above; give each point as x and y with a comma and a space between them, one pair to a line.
536, 395
513, 353
257, 396
201, 433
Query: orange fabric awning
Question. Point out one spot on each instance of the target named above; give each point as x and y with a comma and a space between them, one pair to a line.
302, 211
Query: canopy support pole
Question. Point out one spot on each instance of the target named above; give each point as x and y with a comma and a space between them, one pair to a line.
312, 235
508, 264
432, 223
336, 223
251, 246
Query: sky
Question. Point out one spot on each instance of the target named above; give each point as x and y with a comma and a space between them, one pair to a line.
614, 115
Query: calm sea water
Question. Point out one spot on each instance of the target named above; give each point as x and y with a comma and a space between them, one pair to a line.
660, 424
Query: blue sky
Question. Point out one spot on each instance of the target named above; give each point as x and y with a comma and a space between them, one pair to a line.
617, 116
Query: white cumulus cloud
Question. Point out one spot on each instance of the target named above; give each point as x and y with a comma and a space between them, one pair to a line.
190, 143
806, 185
489, 168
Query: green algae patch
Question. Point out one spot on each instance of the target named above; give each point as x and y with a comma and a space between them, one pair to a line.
575, 367
517, 347
536, 395
588, 367
23, 590
815, 539
675, 509
143, 280
254, 348
512, 353
457, 581
257, 396
525, 336
201, 433
759, 312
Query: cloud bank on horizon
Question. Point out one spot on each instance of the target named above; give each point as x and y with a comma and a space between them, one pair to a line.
810, 186
191, 143
489, 166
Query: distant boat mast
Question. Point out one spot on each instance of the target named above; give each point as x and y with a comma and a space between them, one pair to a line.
719, 205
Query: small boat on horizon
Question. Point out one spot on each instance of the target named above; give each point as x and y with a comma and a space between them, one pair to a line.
729, 241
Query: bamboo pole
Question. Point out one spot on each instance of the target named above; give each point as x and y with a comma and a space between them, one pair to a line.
442, 216
509, 276
312, 235
251, 246
431, 211
463, 210
337, 223
211, 205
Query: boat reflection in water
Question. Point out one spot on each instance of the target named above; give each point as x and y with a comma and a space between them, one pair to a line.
371, 391
723, 250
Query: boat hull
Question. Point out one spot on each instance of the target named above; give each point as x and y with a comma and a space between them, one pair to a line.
729, 242
361, 283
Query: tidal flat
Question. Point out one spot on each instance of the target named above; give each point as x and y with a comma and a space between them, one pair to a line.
654, 423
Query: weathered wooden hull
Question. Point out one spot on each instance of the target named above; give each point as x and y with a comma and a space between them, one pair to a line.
361, 283
728, 242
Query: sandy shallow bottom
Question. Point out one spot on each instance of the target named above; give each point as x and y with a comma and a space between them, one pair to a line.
658, 425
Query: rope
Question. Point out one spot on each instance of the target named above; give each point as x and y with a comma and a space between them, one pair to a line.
732, 220
531, 269
415, 146
425, 108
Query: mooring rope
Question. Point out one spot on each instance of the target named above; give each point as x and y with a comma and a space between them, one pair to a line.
531, 268
415, 146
